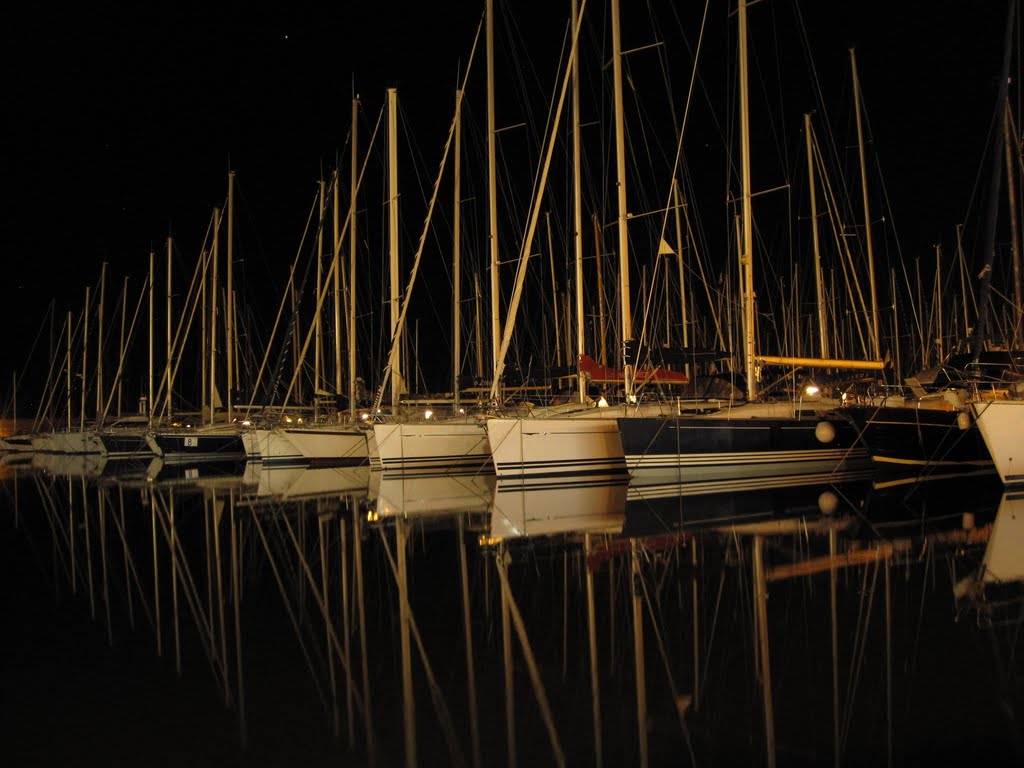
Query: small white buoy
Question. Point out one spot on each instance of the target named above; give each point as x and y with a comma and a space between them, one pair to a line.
963, 420
825, 432
828, 502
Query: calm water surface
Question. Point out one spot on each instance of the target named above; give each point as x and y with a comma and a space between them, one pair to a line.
320, 617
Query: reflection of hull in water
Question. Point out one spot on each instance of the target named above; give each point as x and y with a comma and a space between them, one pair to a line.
71, 464
674, 507
295, 483
557, 509
429, 494
202, 474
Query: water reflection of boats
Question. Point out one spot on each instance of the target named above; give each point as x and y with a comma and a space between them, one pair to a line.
70, 464
295, 483
665, 507
411, 494
994, 586
519, 512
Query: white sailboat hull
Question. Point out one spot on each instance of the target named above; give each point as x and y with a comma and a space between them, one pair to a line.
1001, 423
439, 447
338, 446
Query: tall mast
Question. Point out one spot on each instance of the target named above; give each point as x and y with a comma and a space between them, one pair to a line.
684, 315
170, 366
747, 240
213, 313
352, 265
85, 357
457, 256
1011, 188
121, 350
99, 341
68, 369
876, 348
336, 267
814, 234
318, 358
149, 380
230, 300
396, 371
577, 205
620, 180
492, 191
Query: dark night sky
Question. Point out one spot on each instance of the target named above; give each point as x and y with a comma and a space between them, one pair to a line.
122, 123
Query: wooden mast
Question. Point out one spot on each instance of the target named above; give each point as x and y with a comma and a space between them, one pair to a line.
492, 196
747, 239
620, 181
229, 309
457, 257
577, 206
876, 348
822, 325
352, 265
396, 365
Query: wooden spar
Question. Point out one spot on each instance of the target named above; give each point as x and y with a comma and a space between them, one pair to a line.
350, 339
85, 348
121, 345
554, 290
170, 319
229, 309
215, 259
492, 194
394, 293
457, 257
99, 341
577, 214
318, 321
822, 325
682, 273
818, 362
623, 211
876, 348
524, 255
601, 322
814, 565
747, 238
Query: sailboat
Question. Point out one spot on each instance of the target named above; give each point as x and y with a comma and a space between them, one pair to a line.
699, 441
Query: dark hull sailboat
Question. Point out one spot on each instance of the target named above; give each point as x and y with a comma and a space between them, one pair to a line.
923, 440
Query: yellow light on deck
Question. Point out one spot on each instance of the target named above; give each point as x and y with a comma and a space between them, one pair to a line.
811, 390
364, 416
602, 403
246, 423
428, 413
